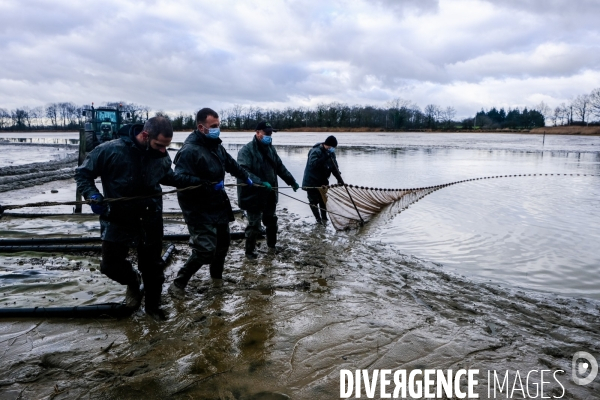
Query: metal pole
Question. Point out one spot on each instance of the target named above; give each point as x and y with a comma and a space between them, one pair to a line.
544, 138
82, 147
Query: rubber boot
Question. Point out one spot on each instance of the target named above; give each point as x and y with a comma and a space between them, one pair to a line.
216, 269
153, 289
323, 215
134, 294
191, 266
250, 246
271, 236
315, 211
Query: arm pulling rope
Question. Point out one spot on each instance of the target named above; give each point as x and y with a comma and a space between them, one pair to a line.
112, 200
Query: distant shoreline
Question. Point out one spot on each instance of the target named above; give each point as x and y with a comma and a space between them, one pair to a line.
548, 130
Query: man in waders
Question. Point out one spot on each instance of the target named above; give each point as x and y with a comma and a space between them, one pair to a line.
320, 165
132, 166
262, 163
206, 210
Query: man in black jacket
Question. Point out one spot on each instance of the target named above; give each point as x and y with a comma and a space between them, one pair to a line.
320, 165
132, 166
259, 158
206, 210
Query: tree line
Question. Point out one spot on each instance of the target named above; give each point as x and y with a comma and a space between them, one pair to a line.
65, 116
395, 115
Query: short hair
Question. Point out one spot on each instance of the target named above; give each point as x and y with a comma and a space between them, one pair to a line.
204, 113
158, 125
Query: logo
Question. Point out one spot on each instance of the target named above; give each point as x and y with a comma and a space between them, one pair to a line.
580, 368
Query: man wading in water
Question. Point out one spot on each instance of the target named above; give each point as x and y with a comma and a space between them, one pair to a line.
320, 165
263, 164
206, 210
134, 165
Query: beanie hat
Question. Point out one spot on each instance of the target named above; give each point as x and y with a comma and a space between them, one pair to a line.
331, 141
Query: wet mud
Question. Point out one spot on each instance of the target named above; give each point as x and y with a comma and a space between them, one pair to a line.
276, 328
283, 326
28, 175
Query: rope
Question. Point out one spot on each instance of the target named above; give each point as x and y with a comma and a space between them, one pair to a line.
330, 212
113, 200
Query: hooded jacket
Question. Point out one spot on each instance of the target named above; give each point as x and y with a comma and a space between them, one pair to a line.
263, 165
128, 170
319, 167
207, 160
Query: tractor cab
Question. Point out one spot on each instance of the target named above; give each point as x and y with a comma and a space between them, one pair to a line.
102, 124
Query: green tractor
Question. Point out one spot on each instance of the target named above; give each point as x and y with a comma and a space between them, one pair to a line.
102, 124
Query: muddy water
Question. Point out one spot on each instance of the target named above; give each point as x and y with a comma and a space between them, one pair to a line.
14, 155
283, 327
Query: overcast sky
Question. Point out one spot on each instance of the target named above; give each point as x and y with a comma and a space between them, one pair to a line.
184, 55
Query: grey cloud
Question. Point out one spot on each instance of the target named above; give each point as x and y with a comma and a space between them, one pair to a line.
174, 58
581, 8
418, 6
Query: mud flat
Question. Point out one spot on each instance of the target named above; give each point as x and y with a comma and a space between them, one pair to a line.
28, 175
285, 325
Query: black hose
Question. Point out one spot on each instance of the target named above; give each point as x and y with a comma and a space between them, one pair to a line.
91, 311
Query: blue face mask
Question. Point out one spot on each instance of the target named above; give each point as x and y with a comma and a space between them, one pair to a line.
213, 133
332, 149
266, 140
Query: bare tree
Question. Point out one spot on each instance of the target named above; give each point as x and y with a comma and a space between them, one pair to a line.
595, 102
236, 113
64, 113
19, 118
72, 113
581, 106
27, 117
52, 114
4, 118
37, 116
398, 104
544, 109
448, 114
556, 115
432, 113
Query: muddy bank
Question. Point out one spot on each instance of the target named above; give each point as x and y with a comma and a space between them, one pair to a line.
28, 175
283, 327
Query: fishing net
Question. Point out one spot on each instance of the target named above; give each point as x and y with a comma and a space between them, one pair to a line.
351, 206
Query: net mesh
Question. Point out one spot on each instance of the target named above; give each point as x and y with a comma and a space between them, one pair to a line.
350, 206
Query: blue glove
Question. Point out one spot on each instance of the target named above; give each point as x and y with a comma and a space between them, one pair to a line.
219, 186
295, 186
267, 185
249, 182
98, 207
332, 149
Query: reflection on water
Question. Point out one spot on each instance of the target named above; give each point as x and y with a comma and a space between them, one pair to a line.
20, 155
41, 140
535, 232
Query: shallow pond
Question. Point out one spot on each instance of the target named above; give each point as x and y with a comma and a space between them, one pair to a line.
534, 232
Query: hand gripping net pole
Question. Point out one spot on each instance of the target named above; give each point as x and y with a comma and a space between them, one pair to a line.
343, 202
